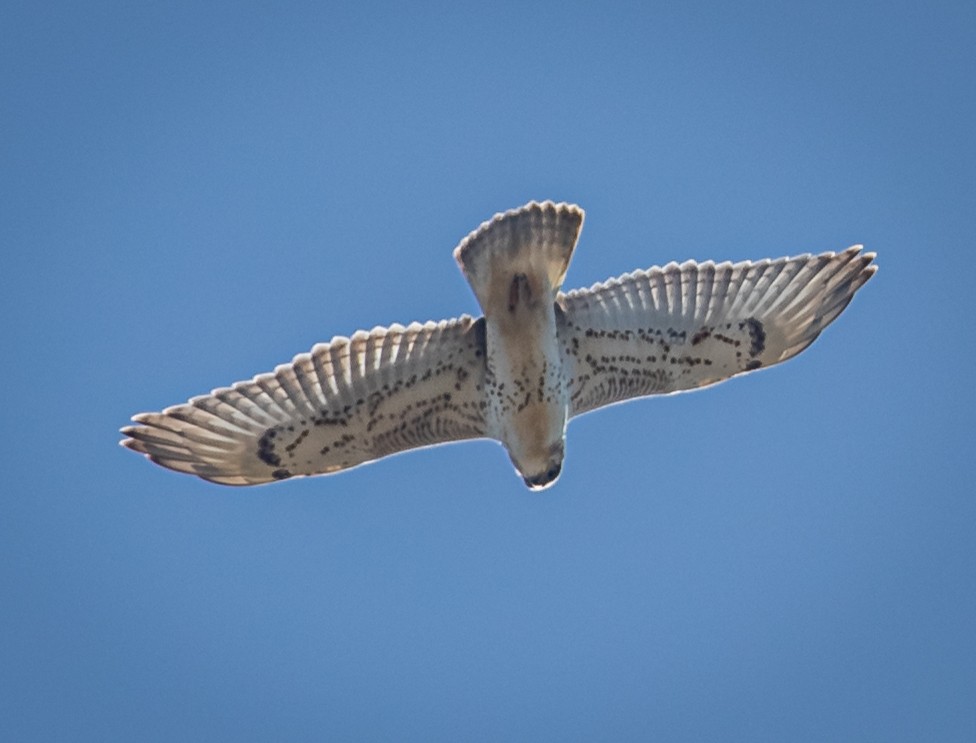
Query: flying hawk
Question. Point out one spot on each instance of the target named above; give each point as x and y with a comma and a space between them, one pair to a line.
535, 359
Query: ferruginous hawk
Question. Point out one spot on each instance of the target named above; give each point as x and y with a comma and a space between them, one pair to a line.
535, 359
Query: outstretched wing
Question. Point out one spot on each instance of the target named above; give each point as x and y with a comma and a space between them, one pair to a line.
686, 326
346, 402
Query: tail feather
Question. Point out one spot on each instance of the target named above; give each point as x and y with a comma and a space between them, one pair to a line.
536, 240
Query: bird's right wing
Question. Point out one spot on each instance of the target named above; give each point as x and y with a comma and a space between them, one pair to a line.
687, 326
347, 402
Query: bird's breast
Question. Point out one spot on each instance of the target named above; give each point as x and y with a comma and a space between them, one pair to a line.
528, 392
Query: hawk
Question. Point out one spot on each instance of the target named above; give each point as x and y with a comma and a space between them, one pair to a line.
536, 358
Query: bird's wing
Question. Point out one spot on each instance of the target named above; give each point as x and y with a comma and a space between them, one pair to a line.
686, 326
346, 402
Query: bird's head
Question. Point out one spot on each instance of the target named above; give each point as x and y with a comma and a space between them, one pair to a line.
541, 470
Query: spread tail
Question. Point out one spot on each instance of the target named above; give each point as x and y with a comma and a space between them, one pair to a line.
532, 244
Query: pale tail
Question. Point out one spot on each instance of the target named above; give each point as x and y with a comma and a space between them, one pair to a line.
536, 240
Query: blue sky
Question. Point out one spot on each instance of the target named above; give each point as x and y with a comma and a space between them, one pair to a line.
194, 193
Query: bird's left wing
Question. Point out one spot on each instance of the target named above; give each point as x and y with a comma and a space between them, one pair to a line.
346, 402
687, 326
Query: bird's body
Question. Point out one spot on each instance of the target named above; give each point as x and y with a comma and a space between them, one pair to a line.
515, 265
535, 359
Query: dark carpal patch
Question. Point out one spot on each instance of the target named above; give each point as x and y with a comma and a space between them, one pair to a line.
266, 452
757, 335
